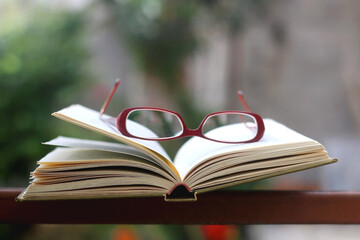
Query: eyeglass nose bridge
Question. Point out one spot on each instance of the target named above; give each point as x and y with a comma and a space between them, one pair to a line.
192, 132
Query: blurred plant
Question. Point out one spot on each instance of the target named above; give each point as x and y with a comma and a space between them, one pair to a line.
162, 35
40, 67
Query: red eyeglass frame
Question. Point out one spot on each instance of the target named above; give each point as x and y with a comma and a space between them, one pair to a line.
187, 132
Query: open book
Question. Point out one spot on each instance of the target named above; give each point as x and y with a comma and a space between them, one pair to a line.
79, 169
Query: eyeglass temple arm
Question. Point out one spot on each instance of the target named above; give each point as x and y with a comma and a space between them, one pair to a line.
106, 103
117, 83
242, 100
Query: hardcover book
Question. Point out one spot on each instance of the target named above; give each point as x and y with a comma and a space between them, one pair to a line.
81, 169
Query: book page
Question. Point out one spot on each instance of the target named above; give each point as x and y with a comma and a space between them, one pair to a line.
100, 145
235, 179
198, 149
61, 141
239, 165
70, 169
68, 160
90, 119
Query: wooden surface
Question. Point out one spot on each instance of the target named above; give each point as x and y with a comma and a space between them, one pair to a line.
221, 207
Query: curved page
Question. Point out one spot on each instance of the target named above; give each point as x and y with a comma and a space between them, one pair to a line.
90, 119
61, 141
197, 150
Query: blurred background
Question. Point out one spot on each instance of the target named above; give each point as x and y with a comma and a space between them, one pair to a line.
296, 61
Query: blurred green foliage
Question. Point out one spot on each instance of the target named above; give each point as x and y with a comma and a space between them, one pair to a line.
162, 35
41, 59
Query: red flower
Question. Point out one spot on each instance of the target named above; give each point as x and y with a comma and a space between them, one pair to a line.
219, 232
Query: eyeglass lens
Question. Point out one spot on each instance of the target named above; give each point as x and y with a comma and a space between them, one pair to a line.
230, 127
162, 124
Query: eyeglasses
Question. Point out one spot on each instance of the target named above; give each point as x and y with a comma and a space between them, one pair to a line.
157, 124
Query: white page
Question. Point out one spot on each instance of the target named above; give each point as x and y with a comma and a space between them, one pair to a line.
97, 145
89, 118
198, 149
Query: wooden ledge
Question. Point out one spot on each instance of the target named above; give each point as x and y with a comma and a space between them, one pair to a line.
220, 207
